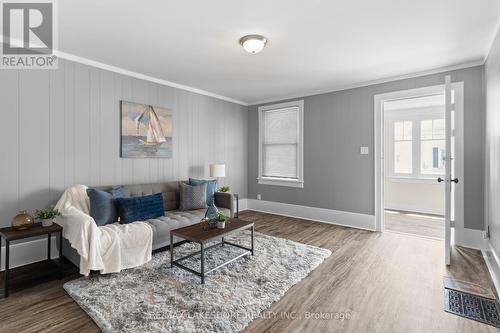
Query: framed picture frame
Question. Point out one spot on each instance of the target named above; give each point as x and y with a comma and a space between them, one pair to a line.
146, 131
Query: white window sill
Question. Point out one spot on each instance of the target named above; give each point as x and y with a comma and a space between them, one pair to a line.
422, 180
280, 182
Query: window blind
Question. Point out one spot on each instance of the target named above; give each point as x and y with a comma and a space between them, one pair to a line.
280, 143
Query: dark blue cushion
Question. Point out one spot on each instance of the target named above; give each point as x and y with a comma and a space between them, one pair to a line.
211, 187
102, 206
140, 208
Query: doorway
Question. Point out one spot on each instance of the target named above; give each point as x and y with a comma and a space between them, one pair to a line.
418, 144
415, 147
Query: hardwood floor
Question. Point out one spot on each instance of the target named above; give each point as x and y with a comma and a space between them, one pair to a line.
383, 282
414, 224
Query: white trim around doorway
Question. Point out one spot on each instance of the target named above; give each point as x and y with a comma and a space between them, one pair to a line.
379, 150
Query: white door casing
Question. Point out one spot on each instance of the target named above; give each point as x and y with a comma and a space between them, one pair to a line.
458, 199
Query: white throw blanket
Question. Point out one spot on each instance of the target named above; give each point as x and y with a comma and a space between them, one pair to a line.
107, 249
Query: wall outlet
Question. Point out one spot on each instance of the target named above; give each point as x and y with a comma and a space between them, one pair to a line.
259, 197
363, 150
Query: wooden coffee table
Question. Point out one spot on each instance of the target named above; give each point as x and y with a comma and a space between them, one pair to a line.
201, 234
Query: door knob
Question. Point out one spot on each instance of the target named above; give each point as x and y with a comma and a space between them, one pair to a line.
442, 180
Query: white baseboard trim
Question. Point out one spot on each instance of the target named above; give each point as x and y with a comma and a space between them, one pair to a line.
29, 252
415, 209
472, 238
493, 263
347, 219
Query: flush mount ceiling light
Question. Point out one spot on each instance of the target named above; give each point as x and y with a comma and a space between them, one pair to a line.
253, 43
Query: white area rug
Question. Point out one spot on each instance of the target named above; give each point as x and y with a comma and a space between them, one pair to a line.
156, 298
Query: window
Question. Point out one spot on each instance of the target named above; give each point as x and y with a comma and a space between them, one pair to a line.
403, 147
417, 144
280, 144
432, 146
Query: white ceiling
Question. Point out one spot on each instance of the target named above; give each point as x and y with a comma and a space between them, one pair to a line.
314, 45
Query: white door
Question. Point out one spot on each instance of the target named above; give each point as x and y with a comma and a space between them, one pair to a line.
450, 166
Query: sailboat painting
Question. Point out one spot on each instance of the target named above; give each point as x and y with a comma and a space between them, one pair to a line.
146, 131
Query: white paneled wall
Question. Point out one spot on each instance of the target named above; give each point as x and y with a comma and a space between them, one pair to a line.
62, 127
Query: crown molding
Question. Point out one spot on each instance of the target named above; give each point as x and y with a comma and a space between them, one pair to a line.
370, 83
492, 41
123, 71
119, 70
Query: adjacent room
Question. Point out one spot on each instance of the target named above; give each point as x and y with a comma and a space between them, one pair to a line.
415, 152
264, 166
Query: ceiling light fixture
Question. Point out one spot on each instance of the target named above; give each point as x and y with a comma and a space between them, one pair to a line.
253, 43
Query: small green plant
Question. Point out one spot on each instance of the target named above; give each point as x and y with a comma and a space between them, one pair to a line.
47, 214
224, 189
221, 217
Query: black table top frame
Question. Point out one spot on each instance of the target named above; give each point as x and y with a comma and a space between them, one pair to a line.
202, 273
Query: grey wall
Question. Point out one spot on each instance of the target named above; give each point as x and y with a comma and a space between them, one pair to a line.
492, 179
61, 127
336, 124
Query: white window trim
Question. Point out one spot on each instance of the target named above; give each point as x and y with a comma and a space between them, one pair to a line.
416, 117
299, 182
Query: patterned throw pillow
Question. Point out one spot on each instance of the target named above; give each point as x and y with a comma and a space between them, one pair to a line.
140, 208
211, 187
193, 197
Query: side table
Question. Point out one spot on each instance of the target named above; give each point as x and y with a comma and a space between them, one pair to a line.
9, 234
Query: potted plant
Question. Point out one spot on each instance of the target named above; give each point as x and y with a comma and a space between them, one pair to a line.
47, 216
224, 189
221, 220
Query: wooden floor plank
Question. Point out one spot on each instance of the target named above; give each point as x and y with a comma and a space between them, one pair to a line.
414, 223
384, 282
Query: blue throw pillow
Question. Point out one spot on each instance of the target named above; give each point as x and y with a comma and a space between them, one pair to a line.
118, 191
211, 187
102, 206
140, 208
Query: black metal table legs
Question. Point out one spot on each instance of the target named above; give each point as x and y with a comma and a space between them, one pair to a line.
171, 251
48, 245
202, 275
253, 231
60, 256
7, 268
237, 197
49, 256
203, 272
